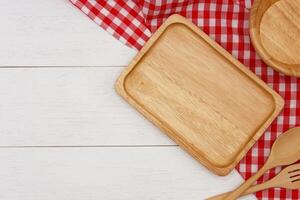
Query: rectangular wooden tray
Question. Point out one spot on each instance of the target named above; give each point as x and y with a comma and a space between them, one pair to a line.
199, 95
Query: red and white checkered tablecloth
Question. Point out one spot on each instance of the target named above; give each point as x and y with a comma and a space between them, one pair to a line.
227, 22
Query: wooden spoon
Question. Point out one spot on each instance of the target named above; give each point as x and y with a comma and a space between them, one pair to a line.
288, 178
285, 151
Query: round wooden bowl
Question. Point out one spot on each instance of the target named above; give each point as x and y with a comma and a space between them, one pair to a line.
275, 33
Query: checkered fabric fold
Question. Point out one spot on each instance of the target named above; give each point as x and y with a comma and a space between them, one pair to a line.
225, 21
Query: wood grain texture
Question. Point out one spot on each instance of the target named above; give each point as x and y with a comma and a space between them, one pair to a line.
112, 173
55, 33
197, 93
71, 107
61, 106
78, 106
275, 31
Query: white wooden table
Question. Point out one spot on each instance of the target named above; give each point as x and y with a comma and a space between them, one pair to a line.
64, 133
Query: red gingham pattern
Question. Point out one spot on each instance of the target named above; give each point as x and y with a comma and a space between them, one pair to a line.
227, 22
122, 18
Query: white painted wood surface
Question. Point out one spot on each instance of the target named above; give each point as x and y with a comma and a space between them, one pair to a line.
77, 106
116, 173
54, 32
69, 106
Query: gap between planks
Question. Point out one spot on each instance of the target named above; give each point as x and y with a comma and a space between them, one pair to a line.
76, 66
89, 146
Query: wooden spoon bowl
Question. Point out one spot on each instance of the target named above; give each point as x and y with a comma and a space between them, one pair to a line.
275, 32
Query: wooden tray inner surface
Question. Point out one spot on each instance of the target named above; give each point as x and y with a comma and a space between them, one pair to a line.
199, 95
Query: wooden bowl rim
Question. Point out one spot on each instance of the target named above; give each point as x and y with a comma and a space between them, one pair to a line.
288, 69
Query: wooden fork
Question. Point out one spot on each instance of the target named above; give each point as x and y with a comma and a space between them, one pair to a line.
288, 178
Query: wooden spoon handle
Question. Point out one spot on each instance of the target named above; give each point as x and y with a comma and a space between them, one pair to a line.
252, 189
240, 190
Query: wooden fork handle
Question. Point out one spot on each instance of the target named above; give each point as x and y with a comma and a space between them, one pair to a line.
242, 188
252, 189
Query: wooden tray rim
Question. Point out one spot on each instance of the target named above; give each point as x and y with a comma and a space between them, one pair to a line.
121, 90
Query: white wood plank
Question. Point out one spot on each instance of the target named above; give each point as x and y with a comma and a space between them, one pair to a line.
159, 173
69, 106
55, 33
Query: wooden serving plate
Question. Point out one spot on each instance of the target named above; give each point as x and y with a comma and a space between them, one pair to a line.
275, 33
199, 95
